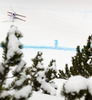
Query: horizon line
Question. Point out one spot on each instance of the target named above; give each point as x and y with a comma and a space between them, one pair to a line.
48, 47
55, 47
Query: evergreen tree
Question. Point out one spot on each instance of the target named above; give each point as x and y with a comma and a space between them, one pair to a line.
82, 62
14, 68
50, 74
81, 65
34, 71
66, 74
81, 90
38, 79
51, 71
4, 70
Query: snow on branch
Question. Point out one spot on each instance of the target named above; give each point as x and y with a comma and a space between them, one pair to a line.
77, 83
14, 43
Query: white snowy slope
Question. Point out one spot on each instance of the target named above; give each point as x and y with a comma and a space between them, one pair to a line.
40, 96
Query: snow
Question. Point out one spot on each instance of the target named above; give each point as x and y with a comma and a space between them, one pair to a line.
90, 85
8, 82
89, 61
40, 96
5, 93
14, 30
13, 44
24, 92
75, 84
68, 21
20, 66
59, 83
39, 65
41, 76
49, 20
47, 87
20, 82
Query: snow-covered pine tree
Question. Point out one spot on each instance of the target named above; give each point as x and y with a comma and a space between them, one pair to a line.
82, 62
50, 75
35, 70
4, 70
3, 75
38, 79
18, 82
78, 88
51, 71
81, 65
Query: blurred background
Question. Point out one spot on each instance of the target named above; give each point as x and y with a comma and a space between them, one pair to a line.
68, 21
